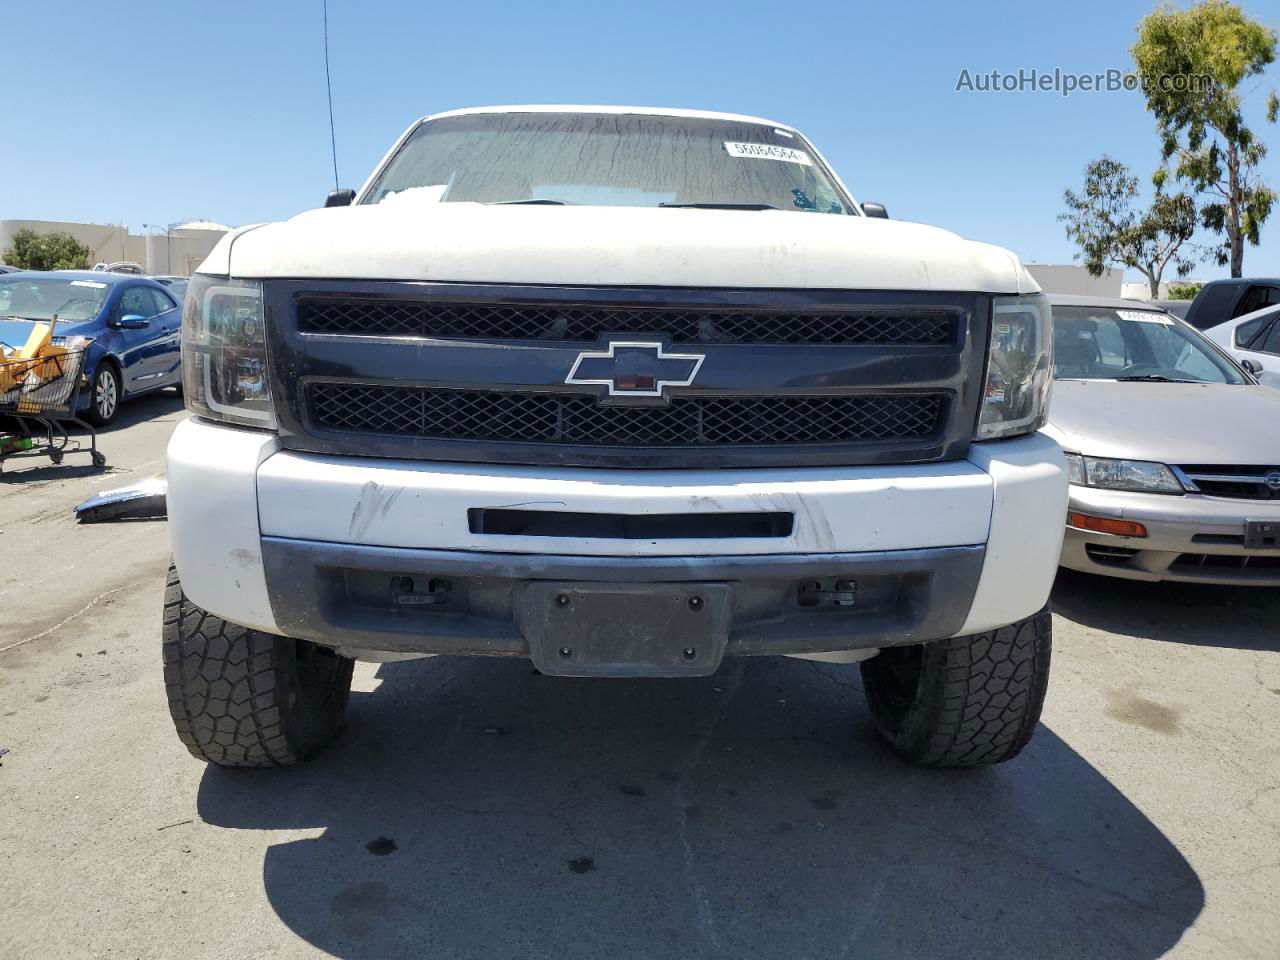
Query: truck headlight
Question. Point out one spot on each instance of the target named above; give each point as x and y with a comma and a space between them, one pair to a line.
1015, 396
224, 352
1140, 476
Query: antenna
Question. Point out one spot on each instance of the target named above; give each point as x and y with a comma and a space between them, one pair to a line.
333, 143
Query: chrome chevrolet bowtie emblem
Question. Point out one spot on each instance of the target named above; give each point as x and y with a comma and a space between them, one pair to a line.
631, 369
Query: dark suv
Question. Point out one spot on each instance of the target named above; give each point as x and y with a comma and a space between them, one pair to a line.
1223, 300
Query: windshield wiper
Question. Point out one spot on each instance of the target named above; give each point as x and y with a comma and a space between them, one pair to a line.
1153, 378
512, 203
722, 206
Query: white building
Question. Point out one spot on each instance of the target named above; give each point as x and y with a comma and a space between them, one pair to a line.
178, 250
1072, 278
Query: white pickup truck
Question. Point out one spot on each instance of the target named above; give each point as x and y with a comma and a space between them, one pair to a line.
622, 391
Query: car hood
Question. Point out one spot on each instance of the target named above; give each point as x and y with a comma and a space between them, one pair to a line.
15, 332
493, 243
1191, 423
83, 328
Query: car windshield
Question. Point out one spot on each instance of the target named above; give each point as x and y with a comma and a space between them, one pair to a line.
41, 297
608, 159
1100, 343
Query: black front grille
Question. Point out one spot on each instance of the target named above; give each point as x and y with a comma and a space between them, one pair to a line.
482, 321
480, 373
1234, 481
578, 419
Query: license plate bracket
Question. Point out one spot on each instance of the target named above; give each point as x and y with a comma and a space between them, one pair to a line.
1262, 535
625, 629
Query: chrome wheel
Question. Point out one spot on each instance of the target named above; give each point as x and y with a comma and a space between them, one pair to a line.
106, 394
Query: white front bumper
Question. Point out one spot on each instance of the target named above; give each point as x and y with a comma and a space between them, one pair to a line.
229, 487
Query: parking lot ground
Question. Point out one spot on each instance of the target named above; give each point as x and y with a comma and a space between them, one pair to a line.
477, 809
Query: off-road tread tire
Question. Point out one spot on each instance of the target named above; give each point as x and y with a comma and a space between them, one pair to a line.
233, 692
978, 699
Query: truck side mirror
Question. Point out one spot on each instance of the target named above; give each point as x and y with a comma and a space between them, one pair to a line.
876, 210
340, 198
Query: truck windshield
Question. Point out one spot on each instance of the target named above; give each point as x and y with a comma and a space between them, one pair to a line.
634, 160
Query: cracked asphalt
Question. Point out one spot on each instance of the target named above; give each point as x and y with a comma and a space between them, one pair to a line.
477, 809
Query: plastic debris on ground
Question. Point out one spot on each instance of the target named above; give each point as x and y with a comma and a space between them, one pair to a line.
143, 501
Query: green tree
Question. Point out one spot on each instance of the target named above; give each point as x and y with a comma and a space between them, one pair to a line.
1102, 221
1184, 291
46, 251
1191, 63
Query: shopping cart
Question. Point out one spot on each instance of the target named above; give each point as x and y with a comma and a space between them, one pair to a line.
42, 394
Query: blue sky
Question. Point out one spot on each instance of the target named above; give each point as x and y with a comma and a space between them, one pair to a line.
170, 111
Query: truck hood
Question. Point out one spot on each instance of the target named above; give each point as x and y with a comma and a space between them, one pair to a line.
1180, 423
596, 245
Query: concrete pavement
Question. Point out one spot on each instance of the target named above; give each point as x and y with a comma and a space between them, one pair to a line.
477, 809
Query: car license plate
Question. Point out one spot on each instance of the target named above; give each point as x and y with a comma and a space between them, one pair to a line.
625, 629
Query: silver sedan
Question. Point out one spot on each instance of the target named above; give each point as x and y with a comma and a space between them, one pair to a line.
1174, 450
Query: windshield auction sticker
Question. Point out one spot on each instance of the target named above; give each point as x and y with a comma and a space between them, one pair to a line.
1145, 316
767, 151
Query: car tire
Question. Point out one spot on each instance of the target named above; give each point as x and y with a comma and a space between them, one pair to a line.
243, 698
962, 702
105, 394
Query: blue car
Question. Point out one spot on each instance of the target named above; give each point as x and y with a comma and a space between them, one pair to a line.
133, 323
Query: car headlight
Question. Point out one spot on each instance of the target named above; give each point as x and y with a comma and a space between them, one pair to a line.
1140, 476
224, 352
1015, 396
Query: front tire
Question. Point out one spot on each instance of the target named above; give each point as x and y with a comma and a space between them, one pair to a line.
104, 395
241, 698
962, 702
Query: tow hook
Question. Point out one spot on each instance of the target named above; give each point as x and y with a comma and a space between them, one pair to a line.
844, 593
404, 594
